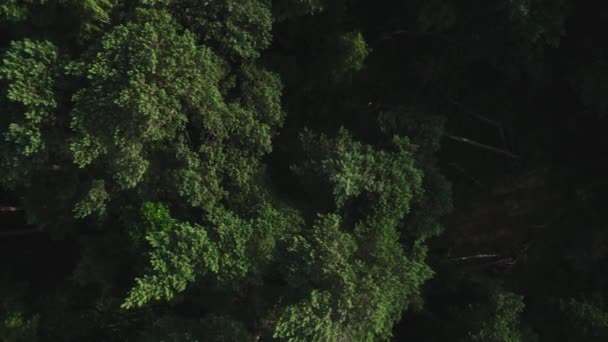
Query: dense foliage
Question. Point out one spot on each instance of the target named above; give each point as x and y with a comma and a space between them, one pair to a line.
303, 170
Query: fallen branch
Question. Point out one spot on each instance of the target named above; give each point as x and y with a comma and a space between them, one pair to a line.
474, 257
9, 209
483, 146
466, 110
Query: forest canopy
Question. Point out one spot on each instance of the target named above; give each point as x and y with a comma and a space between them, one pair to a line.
303, 170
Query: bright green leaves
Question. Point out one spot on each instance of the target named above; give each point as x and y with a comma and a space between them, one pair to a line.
323, 260
359, 274
12, 11
166, 117
178, 252
229, 249
346, 55
141, 83
309, 320
27, 88
97, 10
587, 320
94, 202
15, 327
94, 15
154, 97
236, 29
174, 260
17, 323
425, 131
196, 181
351, 297
353, 169
354, 50
324, 252
170, 106
29, 68
502, 319
261, 94
232, 235
15, 10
